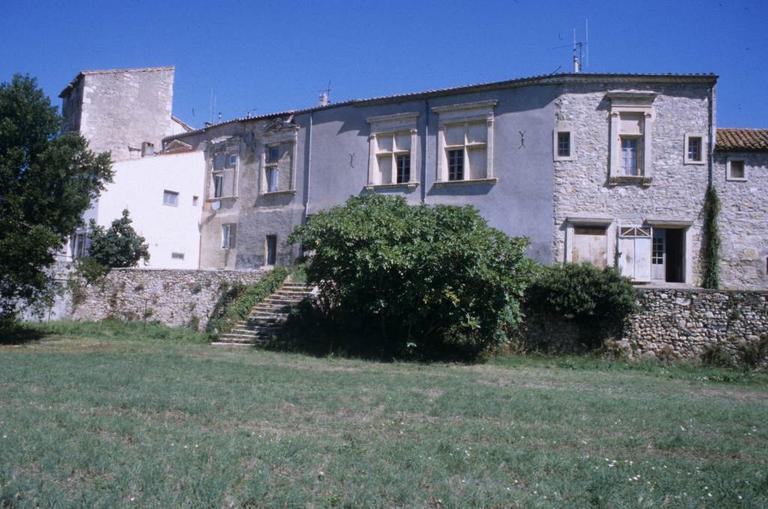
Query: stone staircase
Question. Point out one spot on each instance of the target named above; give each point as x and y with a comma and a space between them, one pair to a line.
266, 317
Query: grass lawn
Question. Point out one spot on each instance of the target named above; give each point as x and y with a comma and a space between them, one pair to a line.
94, 418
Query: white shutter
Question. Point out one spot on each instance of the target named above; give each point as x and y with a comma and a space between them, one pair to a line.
642, 259
635, 253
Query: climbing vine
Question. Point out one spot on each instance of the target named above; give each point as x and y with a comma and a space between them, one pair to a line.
711, 247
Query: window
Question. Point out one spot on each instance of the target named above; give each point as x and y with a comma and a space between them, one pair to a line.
218, 185
195, 200
177, 256
629, 156
465, 141
224, 175
694, 149
736, 170
171, 198
392, 149
631, 123
278, 167
403, 168
80, 243
456, 164
564, 144
228, 236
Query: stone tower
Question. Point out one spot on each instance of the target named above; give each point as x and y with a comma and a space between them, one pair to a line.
121, 110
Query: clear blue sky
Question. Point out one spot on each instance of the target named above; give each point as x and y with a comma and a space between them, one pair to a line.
276, 55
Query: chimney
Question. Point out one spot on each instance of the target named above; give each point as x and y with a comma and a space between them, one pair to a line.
324, 99
147, 149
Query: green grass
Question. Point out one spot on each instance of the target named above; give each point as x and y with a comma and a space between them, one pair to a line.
90, 420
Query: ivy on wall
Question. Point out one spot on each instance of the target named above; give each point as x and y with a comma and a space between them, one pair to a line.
711, 241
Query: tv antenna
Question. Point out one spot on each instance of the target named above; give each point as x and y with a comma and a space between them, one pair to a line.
581, 49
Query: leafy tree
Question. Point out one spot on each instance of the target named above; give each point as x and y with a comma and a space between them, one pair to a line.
47, 181
118, 246
415, 280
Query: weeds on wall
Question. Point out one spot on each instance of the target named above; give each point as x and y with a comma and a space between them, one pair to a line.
711, 244
235, 302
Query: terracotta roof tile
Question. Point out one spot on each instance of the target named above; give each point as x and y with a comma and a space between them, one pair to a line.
742, 140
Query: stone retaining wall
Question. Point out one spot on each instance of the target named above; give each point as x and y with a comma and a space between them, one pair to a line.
172, 297
685, 322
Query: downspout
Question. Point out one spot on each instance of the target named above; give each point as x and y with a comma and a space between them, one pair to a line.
309, 169
712, 136
424, 153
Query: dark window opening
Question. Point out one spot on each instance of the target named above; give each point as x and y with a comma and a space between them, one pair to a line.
694, 148
456, 164
271, 249
564, 144
403, 168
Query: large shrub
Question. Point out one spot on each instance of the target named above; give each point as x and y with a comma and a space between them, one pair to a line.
420, 281
598, 301
119, 245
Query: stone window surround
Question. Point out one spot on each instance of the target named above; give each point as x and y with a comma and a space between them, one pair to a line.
728, 176
381, 125
631, 101
563, 127
270, 140
572, 222
463, 113
703, 160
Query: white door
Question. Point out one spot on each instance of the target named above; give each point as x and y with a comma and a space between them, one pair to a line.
635, 253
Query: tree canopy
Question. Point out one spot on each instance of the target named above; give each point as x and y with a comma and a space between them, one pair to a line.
119, 245
47, 181
420, 281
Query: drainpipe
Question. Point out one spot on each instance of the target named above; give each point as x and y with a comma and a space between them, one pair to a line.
424, 153
309, 169
712, 135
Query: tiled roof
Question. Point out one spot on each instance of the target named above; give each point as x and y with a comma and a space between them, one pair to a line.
742, 140
543, 79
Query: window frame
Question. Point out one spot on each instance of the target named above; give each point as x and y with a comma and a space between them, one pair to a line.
168, 193
563, 128
228, 154
285, 143
631, 103
686, 148
392, 127
227, 241
466, 114
728, 171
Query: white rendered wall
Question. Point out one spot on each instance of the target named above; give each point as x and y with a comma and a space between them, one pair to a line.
139, 185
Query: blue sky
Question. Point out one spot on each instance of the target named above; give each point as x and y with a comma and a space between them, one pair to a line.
270, 56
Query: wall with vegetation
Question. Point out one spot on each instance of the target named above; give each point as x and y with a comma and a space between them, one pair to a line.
173, 297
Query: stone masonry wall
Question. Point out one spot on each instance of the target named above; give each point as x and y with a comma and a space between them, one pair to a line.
172, 297
682, 323
743, 221
677, 190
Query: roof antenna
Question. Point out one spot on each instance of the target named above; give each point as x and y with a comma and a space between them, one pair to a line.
579, 48
325, 95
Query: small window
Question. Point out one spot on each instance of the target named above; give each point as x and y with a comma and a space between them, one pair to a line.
171, 198
218, 185
736, 170
227, 236
694, 149
564, 144
231, 161
195, 200
456, 164
177, 256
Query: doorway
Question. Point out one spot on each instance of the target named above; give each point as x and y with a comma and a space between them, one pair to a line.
668, 255
271, 249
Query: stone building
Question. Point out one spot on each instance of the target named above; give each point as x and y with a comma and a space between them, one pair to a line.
606, 168
128, 112
741, 178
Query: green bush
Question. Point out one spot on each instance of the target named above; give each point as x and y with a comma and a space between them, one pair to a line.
414, 281
597, 300
119, 245
235, 302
